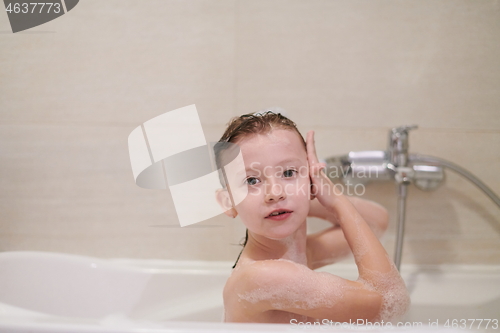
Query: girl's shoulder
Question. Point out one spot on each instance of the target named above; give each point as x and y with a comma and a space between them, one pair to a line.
256, 285
257, 288
266, 266
264, 274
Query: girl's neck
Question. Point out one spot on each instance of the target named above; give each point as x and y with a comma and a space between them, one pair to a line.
291, 248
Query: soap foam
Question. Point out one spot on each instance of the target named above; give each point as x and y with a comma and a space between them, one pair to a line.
395, 296
286, 296
390, 285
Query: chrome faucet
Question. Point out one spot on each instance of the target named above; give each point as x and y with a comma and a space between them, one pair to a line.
393, 164
397, 154
396, 163
398, 145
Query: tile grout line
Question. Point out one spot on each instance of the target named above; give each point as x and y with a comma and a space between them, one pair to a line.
317, 127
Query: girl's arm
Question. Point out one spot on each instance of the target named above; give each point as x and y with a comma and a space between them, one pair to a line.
376, 269
329, 245
375, 215
369, 254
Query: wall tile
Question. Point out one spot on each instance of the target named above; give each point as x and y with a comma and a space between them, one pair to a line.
71, 189
74, 88
121, 62
372, 63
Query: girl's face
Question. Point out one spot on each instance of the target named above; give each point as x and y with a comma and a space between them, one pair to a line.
277, 176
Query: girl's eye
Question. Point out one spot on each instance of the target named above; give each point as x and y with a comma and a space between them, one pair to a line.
252, 180
289, 173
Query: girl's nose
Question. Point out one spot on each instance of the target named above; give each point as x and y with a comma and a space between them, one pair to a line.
274, 191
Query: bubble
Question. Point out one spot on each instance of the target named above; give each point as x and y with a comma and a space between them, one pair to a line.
395, 296
390, 285
286, 296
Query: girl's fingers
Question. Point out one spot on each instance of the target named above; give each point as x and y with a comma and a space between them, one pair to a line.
321, 184
316, 169
315, 166
311, 149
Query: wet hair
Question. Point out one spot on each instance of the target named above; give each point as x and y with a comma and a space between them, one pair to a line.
257, 123
252, 124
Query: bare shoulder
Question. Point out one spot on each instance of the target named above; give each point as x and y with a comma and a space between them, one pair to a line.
260, 275
267, 290
263, 273
255, 290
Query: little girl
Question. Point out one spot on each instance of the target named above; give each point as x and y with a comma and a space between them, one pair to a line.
274, 280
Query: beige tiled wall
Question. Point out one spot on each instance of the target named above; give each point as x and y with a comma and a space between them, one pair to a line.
72, 90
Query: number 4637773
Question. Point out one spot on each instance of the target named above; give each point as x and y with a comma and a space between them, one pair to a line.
33, 7
472, 323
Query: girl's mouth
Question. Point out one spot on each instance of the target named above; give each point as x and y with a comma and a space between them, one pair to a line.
279, 214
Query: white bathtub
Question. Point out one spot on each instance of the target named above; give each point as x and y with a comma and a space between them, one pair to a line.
50, 292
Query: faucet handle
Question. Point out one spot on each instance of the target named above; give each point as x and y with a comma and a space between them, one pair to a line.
397, 149
404, 129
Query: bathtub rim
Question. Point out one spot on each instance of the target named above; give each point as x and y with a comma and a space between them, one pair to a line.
166, 265
223, 268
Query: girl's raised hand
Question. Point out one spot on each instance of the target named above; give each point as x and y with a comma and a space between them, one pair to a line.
321, 186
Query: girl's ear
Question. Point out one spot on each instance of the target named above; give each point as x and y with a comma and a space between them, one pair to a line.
222, 196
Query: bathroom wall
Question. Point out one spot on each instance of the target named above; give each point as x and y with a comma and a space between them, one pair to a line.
72, 90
